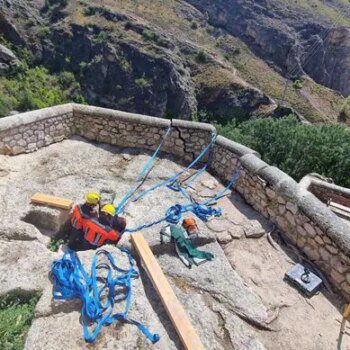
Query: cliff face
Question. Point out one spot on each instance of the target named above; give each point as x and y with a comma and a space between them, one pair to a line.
294, 40
178, 58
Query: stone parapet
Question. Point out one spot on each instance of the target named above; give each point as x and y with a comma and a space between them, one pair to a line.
302, 218
27, 132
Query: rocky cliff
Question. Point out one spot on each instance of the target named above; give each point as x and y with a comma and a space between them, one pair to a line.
292, 38
181, 57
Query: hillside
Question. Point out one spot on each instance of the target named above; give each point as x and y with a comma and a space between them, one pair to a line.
187, 59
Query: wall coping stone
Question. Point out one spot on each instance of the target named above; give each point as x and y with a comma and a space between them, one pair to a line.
235, 147
309, 180
254, 164
186, 124
26, 118
275, 176
120, 115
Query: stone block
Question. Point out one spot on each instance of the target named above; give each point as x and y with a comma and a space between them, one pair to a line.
290, 217
337, 277
310, 229
332, 249
325, 255
281, 209
301, 241
301, 231
345, 287
319, 240
270, 193
338, 265
292, 207
311, 252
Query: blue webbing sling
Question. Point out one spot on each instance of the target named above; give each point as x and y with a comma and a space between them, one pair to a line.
98, 294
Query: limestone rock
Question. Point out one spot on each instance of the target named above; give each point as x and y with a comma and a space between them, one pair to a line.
24, 266
224, 237
236, 231
218, 225
6, 55
254, 230
211, 184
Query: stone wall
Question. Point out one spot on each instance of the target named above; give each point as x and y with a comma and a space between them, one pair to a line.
304, 220
30, 131
326, 191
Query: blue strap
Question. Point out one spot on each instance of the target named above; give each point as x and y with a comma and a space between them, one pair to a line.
176, 176
144, 172
202, 210
70, 280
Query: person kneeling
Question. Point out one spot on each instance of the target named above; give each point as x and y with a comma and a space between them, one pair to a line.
99, 232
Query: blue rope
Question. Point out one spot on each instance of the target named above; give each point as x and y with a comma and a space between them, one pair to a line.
176, 176
70, 280
202, 210
145, 170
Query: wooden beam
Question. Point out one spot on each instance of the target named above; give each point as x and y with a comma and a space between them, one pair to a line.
52, 201
340, 210
173, 307
340, 206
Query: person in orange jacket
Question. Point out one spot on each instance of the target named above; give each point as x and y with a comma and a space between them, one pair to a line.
80, 213
99, 232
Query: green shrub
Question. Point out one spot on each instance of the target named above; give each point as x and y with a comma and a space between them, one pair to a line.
194, 24
142, 82
16, 314
54, 5
33, 88
297, 84
43, 32
101, 38
210, 29
201, 57
89, 11
148, 35
296, 148
55, 243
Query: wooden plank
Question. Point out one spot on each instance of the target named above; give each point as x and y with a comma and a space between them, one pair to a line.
52, 201
341, 213
340, 206
173, 307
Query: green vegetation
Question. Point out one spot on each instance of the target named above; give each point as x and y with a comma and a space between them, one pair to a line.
148, 35
55, 243
101, 38
194, 24
297, 84
142, 82
55, 5
32, 88
16, 314
201, 57
295, 148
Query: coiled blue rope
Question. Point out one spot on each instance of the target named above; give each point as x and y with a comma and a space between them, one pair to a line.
70, 280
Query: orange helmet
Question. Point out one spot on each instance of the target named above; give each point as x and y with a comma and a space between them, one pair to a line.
190, 225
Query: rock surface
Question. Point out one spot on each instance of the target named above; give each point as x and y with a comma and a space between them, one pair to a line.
296, 40
215, 297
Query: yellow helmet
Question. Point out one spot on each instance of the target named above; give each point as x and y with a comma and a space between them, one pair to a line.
108, 209
93, 198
